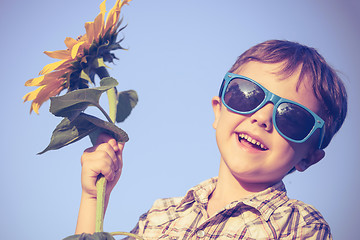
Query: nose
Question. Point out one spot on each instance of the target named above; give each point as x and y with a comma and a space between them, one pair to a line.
263, 117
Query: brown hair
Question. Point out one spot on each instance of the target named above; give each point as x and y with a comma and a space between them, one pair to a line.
327, 85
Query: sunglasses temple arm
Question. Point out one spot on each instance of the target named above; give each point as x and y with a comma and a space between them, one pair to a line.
322, 137
221, 88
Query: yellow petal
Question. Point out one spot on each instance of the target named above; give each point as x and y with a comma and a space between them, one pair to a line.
85, 76
52, 66
46, 79
99, 21
60, 54
98, 24
75, 49
35, 106
83, 38
99, 62
34, 81
42, 94
113, 16
89, 26
69, 42
109, 20
124, 2
32, 95
103, 7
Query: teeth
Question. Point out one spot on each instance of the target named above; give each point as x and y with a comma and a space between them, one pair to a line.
251, 140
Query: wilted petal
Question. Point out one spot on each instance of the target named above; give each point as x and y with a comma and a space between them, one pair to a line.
60, 54
52, 66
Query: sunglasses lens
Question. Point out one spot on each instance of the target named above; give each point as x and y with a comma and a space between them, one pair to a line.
294, 121
242, 95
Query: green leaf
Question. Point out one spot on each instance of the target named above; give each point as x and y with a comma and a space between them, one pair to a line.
95, 236
68, 131
127, 100
107, 127
73, 103
108, 82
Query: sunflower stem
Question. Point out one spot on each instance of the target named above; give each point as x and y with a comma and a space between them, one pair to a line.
100, 203
111, 93
101, 183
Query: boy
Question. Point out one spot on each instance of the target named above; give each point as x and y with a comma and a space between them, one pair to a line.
278, 108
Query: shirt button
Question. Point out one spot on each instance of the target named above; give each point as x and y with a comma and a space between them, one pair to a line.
200, 233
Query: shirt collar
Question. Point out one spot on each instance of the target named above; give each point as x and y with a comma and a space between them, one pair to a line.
199, 193
266, 202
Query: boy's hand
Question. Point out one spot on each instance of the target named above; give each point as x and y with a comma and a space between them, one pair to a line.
106, 158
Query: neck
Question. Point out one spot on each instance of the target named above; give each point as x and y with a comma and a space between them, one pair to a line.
229, 189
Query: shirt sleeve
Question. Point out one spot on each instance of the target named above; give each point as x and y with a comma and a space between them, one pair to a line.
315, 231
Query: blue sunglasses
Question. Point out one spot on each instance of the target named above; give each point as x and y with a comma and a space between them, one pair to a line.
292, 120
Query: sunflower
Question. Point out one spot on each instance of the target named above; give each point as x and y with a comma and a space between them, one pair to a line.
81, 60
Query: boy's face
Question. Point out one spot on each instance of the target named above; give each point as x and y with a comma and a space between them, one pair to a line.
270, 163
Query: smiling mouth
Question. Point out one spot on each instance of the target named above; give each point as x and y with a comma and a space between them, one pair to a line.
251, 142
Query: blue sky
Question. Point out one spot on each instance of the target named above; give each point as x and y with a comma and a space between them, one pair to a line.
178, 54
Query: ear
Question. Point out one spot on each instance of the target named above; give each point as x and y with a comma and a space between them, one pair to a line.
216, 104
313, 158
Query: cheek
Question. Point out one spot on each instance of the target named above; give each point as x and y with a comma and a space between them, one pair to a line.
226, 128
281, 165
227, 121
302, 149
286, 154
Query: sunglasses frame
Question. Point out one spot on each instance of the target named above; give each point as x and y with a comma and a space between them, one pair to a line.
276, 100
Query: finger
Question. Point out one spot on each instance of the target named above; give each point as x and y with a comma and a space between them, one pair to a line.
105, 138
118, 153
121, 146
108, 149
113, 143
101, 156
105, 166
108, 172
97, 160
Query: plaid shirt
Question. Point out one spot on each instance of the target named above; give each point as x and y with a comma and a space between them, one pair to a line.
269, 214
